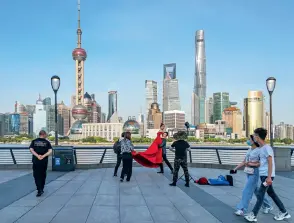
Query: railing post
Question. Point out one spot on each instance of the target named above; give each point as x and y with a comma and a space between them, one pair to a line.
102, 158
75, 154
12, 155
218, 157
190, 154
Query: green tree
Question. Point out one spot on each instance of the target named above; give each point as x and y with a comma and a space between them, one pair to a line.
287, 141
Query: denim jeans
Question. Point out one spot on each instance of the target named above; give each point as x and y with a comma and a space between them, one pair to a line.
250, 189
261, 193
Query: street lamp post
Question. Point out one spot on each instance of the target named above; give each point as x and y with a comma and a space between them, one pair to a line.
270, 84
55, 83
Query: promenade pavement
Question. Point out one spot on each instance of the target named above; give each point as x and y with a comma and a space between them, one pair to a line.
95, 196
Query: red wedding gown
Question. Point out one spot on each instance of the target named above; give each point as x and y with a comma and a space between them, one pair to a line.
152, 157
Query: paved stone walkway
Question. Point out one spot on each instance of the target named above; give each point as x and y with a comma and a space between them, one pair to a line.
95, 196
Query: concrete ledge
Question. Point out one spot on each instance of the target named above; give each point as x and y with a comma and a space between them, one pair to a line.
283, 159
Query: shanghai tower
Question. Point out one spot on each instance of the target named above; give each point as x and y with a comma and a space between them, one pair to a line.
199, 93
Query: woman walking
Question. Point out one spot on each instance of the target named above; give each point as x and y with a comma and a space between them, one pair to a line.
127, 158
251, 163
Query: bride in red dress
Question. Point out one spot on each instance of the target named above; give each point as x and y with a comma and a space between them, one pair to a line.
152, 157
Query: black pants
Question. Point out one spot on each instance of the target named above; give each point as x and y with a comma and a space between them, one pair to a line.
270, 191
39, 173
118, 162
127, 159
167, 163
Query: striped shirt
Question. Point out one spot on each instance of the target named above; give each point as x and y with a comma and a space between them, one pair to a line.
126, 146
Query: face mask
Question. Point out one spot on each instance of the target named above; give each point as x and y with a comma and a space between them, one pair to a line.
249, 142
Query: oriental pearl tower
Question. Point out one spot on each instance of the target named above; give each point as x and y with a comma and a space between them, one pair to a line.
79, 55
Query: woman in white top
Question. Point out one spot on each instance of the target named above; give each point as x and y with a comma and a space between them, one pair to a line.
251, 163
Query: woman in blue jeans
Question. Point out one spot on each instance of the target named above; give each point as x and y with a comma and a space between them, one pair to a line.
251, 163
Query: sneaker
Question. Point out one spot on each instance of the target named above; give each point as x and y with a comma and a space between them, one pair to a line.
121, 180
250, 217
268, 210
173, 184
239, 213
160, 172
281, 216
114, 175
187, 185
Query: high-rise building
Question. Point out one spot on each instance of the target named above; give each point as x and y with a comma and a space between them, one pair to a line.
150, 97
2, 123
112, 104
103, 117
171, 99
47, 101
169, 71
64, 112
24, 123
221, 101
195, 114
233, 118
199, 80
174, 120
96, 110
19, 108
209, 110
39, 117
154, 118
253, 111
79, 112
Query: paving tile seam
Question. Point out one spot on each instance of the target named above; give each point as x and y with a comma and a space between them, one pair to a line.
208, 209
70, 197
47, 196
174, 204
144, 199
104, 172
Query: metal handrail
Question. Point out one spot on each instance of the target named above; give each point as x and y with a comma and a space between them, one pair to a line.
221, 154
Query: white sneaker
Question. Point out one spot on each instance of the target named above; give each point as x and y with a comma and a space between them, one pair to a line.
239, 213
268, 210
281, 216
251, 217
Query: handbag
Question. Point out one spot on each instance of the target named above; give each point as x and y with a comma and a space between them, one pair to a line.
249, 170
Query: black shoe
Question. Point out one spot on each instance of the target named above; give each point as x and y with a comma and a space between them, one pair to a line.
114, 175
128, 180
160, 172
173, 184
121, 180
187, 185
39, 194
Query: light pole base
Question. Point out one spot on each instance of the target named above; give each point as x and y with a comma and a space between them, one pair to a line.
283, 159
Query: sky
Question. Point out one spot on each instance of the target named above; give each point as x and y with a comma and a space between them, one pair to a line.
128, 41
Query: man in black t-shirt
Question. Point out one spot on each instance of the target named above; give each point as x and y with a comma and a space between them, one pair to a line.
180, 148
41, 149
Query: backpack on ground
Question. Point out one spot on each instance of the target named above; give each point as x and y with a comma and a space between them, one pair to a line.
116, 147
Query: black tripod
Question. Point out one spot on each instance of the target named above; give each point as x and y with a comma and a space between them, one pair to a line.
182, 178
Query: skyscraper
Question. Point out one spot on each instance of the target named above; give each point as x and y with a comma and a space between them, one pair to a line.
171, 99
150, 97
209, 110
221, 101
254, 113
169, 71
200, 79
112, 104
39, 117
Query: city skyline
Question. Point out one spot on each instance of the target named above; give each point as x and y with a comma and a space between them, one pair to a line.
231, 52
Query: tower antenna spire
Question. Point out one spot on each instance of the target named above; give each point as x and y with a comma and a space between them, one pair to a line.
79, 31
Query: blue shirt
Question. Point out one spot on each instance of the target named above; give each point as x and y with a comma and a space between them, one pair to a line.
253, 155
265, 152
